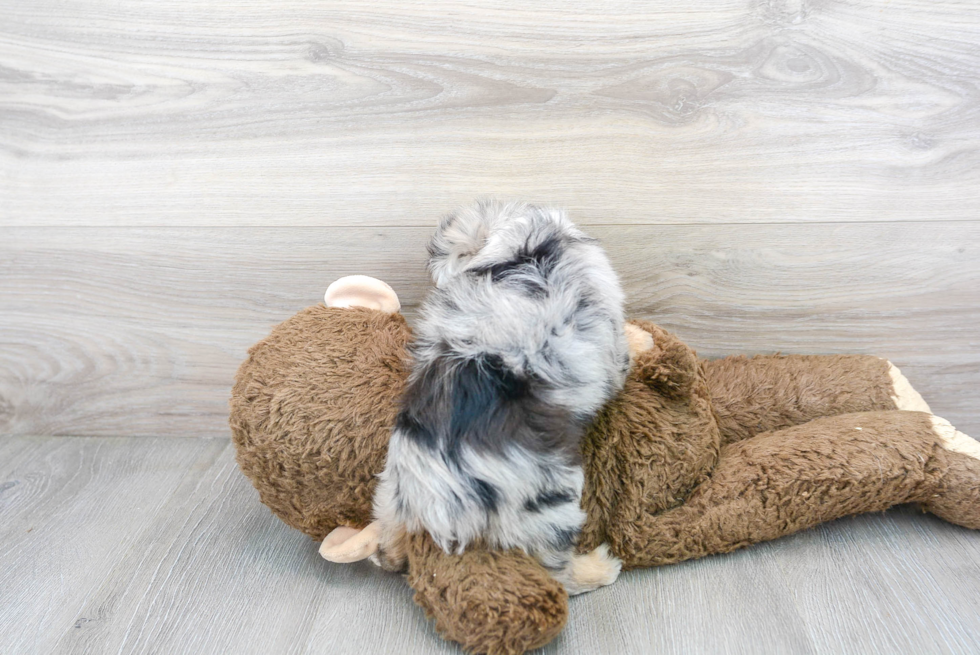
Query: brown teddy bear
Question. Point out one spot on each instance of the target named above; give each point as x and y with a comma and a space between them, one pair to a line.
693, 457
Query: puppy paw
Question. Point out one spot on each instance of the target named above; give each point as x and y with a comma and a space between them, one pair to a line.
392, 552
593, 570
391, 560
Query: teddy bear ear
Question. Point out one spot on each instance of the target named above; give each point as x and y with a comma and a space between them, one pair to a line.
362, 291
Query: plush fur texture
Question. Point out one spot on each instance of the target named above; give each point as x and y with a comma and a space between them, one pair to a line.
781, 482
312, 410
518, 346
692, 458
661, 432
771, 392
464, 597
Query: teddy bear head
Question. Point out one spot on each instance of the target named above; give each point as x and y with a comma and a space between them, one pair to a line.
314, 402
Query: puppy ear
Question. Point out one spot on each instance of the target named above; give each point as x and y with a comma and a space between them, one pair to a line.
345, 545
362, 291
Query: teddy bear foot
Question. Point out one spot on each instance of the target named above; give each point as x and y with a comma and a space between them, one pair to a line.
904, 394
590, 571
957, 499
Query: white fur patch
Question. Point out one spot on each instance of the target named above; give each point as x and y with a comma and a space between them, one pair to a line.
954, 440
437, 499
905, 397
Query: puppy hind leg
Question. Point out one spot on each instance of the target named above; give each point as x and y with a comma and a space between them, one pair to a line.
583, 573
392, 552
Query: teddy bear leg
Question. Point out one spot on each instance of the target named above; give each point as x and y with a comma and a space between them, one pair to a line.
957, 497
487, 601
903, 394
781, 482
771, 392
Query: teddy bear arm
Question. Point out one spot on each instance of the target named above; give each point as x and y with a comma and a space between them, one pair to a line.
779, 482
487, 601
661, 360
771, 392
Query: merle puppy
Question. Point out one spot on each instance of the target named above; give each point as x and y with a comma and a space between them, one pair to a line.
520, 344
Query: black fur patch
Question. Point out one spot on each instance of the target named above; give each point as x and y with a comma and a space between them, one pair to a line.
533, 262
487, 493
414, 429
399, 499
548, 499
564, 538
483, 405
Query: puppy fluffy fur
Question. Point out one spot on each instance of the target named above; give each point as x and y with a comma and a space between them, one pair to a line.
519, 345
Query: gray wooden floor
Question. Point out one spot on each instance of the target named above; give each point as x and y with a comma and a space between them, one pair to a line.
178, 177
159, 545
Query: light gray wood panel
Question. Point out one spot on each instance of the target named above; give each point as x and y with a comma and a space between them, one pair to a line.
70, 512
13, 452
135, 332
210, 570
391, 113
112, 331
727, 604
220, 574
900, 582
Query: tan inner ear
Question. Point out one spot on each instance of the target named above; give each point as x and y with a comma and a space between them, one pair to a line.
345, 545
362, 291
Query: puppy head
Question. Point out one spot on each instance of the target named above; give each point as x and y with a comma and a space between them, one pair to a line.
489, 231
313, 407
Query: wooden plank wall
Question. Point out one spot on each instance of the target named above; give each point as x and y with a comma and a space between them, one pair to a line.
176, 178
